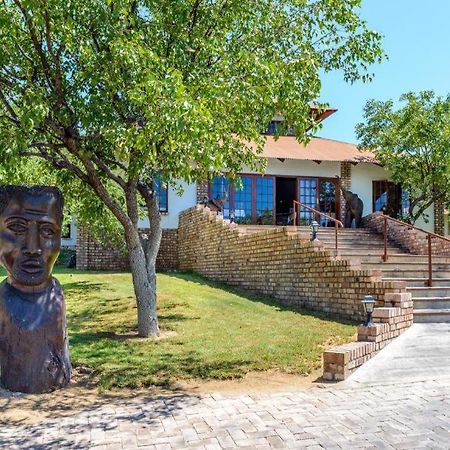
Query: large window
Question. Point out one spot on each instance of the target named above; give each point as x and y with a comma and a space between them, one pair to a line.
255, 199
220, 190
264, 201
251, 201
243, 201
161, 190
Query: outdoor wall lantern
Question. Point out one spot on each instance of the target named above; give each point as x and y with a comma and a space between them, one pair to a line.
369, 306
314, 229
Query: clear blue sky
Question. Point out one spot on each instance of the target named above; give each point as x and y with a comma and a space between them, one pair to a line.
416, 38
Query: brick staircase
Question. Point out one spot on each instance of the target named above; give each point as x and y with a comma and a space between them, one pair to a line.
364, 246
431, 304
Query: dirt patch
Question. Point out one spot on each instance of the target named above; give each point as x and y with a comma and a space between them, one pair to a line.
136, 338
271, 380
82, 394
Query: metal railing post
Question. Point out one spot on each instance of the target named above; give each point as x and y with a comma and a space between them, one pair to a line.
336, 238
385, 256
337, 223
430, 262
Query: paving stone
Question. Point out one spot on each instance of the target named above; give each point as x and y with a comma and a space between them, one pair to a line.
401, 415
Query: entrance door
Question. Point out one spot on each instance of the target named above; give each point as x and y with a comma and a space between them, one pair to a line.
387, 197
321, 194
284, 200
328, 201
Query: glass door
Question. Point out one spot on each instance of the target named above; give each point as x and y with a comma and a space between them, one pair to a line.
328, 202
307, 195
321, 194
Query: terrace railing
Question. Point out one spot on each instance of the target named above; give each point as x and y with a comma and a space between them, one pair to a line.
337, 223
428, 234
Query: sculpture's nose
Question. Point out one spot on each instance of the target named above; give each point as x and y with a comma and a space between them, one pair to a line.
32, 242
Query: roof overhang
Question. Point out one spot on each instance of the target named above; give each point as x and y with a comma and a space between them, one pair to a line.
317, 150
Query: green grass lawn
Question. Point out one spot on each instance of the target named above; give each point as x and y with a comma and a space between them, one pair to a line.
215, 332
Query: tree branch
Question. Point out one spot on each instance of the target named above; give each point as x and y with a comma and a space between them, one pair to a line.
37, 44
108, 172
8, 107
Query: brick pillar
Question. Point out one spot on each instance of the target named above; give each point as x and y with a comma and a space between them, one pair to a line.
202, 191
82, 247
346, 183
439, 227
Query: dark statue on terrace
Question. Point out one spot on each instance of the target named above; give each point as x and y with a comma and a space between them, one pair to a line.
34, 354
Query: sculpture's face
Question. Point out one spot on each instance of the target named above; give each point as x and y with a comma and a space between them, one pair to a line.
30, 239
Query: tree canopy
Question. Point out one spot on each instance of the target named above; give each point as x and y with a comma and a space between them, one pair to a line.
113, 93
412, 141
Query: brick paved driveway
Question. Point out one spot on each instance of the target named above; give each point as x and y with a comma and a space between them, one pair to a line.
396, 414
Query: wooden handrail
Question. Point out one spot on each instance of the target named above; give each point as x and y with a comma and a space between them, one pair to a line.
428, 234
337, 223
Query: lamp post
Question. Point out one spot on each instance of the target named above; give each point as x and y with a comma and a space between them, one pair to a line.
369, 306
314, 229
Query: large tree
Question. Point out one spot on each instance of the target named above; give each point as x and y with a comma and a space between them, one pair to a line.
113, 93
412, 141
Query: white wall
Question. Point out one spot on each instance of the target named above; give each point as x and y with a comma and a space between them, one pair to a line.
295, 168
429, 226
176, 204
70, 243
362, 176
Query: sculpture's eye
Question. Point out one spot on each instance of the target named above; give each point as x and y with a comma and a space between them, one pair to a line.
47, 231
17, 228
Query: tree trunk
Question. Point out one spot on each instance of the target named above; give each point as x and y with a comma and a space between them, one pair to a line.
144, 286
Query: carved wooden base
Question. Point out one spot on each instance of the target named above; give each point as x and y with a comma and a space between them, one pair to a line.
34, 353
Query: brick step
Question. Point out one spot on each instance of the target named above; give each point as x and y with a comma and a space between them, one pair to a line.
413, 265
355, 241
432, 315
398, 258
355, 250
349, 231
411, 273
432, 292
431, 303
420, 281
367, 256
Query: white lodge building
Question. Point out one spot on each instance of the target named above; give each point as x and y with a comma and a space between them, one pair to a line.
309, 174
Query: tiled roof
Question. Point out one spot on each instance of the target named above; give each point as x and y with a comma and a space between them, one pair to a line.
318, 149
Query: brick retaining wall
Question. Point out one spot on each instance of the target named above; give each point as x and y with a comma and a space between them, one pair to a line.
413, 241
276, 263
93, 255
389, 322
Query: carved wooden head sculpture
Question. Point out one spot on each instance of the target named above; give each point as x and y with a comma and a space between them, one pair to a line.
30, 234
34, 352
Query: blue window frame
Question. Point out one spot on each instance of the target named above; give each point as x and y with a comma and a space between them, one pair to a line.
308, 196
243, 201
264, 201
251, 201
221, 189
161, 190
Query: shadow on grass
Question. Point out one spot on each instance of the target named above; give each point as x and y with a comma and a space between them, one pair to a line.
121, 368
199, 279
80, 287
